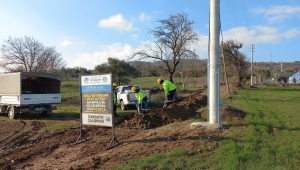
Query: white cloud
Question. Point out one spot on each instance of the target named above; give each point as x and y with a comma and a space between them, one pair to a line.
144, 17
266, 29
278, 13
259, 34
123, 51
240, 34
201, 47
256, 35
134, 36
291, 33
65, 43
90, 60
156, 12
117, 22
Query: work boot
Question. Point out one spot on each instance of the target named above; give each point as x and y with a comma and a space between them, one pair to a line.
140, 112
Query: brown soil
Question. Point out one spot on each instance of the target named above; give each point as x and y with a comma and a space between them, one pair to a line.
136, 136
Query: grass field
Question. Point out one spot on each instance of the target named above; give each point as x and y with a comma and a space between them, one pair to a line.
68, 113
267, 138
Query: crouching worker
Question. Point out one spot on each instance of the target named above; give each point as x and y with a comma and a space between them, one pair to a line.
115, 100
141, 100
170, 90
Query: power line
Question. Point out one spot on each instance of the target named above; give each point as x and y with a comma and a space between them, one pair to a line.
236, 20
245, 13
240, 19
246, 16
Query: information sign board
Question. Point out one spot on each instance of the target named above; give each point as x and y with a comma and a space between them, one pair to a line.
96, 100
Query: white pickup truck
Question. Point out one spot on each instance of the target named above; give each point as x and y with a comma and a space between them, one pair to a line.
126, 97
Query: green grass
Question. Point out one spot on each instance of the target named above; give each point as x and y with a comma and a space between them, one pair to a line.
146, 82
267, 136
157, 99
70, 112
151, 82
265, 133
172, 160
67, 114
271, 134
70, 89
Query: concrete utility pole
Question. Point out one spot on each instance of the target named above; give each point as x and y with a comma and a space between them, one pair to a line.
213, 77
214, 51
252, 50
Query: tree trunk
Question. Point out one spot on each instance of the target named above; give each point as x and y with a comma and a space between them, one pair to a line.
171, 77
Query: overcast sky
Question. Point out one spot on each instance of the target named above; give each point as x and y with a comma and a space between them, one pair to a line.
86, 33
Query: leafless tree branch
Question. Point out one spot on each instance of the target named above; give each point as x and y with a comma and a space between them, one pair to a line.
29, 55
173, 39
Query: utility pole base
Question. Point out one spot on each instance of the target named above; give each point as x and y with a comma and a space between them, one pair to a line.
216, 126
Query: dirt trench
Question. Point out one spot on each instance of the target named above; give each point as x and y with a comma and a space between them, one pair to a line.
138, 136
162, 116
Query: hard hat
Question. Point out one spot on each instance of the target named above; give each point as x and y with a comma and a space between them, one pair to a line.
158, 80
115, 85
133, 89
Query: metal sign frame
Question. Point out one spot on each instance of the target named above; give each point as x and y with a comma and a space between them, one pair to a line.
96, 103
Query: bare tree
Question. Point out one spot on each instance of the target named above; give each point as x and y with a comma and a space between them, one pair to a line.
173, 38
236, 61
139, 66
29, 55
150, 70
187, 68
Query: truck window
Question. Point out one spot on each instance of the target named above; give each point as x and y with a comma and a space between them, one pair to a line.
128, 88
40, 85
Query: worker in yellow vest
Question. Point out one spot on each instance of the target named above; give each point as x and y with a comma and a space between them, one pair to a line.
115, 100
141, 100
170, 89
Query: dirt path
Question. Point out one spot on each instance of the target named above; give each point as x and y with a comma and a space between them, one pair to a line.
139, 136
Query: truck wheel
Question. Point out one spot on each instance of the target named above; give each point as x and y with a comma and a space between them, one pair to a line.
11, 114
122, 105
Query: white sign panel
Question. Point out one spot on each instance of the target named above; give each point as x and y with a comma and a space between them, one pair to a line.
97, 119
96, 100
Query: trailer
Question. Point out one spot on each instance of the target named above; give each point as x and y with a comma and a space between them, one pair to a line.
29, 92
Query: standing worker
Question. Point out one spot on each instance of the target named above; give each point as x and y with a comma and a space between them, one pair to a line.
170, 89
141, 103
115, 100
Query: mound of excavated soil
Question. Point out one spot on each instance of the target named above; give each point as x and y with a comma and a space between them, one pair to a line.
137, 135
162, 116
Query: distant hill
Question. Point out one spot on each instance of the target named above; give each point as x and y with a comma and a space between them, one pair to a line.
158, 62
284, 65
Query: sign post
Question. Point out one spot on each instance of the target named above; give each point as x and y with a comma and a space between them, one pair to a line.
96, 103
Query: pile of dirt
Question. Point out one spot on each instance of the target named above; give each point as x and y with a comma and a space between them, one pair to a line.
136, 135
162, 116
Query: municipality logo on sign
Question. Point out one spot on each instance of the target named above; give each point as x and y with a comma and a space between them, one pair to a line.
104, 79
86, 80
